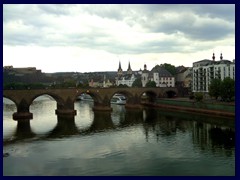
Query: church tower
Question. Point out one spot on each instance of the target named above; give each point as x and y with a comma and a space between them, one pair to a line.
120, 71
213, 57
129, 70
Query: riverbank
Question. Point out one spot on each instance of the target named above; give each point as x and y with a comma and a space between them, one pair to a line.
188, 105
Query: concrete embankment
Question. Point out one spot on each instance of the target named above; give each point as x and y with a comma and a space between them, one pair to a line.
213, 108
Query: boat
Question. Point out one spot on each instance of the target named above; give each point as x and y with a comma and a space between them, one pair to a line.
116, 99
86, 97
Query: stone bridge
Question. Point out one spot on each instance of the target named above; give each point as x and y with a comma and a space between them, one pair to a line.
65, 98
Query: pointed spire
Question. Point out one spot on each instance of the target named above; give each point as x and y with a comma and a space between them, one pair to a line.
213, 57
129, 66
119, 69
129, 70
221, 57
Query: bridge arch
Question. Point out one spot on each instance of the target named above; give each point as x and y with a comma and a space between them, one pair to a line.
56, 97
148, 95
169, 93
126, 93
12, 99
96, 98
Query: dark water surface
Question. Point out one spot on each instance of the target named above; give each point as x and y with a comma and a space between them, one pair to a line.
123, 142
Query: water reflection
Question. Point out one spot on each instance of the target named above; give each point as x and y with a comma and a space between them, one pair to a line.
205, 134
102, 121
156, 124
210, 136
23, 131
65, 127
131, 118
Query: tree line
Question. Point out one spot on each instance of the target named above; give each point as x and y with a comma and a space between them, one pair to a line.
225, 89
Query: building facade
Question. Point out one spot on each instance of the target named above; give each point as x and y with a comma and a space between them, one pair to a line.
205, 71
125, 79
160, 75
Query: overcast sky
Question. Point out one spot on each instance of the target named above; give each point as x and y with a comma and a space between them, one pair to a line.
87, 38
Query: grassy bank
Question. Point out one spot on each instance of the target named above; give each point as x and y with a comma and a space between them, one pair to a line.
205, 107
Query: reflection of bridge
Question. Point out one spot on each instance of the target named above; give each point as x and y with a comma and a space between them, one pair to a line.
65, 98
204, 132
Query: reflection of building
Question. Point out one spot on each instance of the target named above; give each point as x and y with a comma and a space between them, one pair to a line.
160, 75
206, 136
206, 70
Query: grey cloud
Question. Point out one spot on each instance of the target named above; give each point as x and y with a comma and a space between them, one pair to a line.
188, 20
194, 26
223, 11
57, 9
116, 12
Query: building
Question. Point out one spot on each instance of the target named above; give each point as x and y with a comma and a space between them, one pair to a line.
206, 70
106, 82
184, 76
145, 76
160, 75
125, 79
25, 70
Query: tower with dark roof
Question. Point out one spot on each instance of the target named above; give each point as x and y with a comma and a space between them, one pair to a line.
213, 57
120, 71
129, 70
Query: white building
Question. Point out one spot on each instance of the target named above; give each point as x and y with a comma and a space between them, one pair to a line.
160, 75
145, 76
206, 70
125, 79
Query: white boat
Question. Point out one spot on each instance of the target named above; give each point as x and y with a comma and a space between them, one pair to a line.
116, 99
121, 100
86, 97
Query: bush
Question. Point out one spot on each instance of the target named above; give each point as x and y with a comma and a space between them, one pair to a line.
191, 96
198, 96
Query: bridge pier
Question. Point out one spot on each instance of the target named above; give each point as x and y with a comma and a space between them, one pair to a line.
65, 112
24, 129
102, 108
21, 116
133, 106
133, 103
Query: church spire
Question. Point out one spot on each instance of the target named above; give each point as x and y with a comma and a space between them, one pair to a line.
129, 70
119, 69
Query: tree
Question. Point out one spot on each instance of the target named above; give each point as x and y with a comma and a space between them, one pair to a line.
122, 86
151, 84
214, 88
170, 68
227, 90
137, 83
198, 96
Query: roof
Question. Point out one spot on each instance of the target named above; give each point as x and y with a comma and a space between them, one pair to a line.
162, 72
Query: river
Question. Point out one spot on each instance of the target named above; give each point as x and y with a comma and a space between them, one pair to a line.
149, 142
